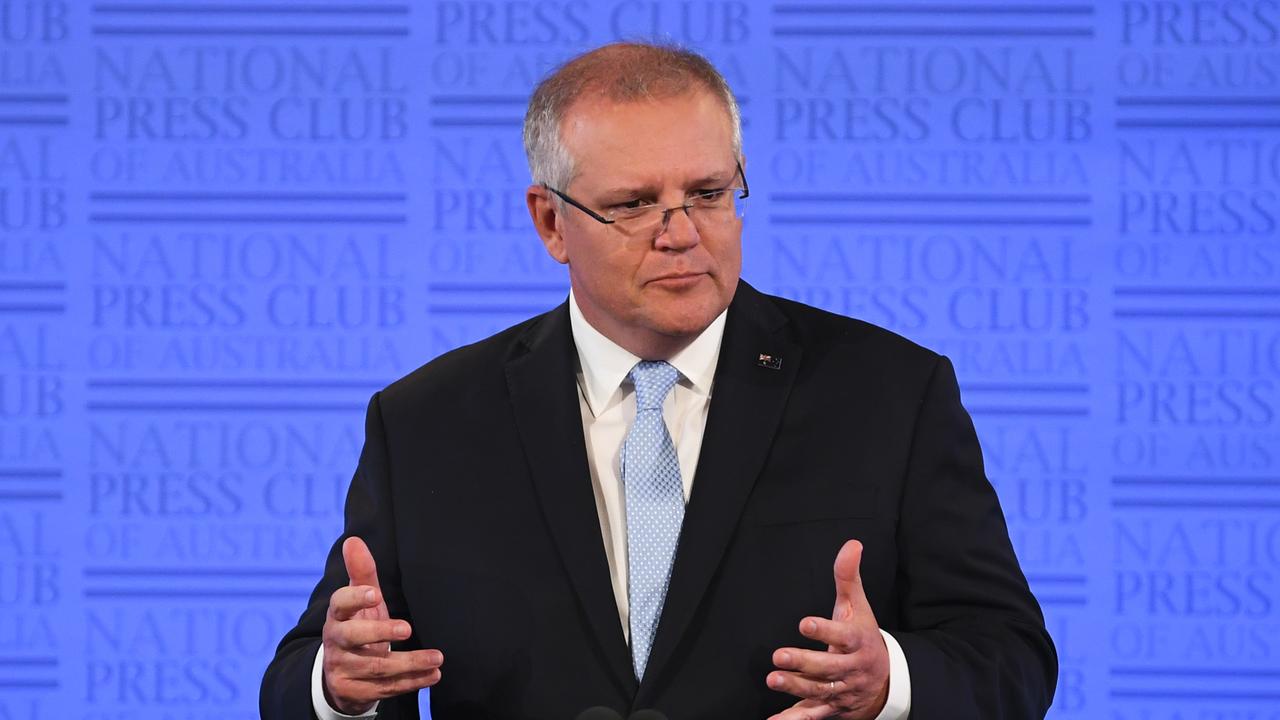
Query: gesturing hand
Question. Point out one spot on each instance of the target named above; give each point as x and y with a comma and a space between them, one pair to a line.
359, 666
850, 681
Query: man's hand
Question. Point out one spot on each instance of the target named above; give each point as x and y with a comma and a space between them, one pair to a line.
359, 667
850, 681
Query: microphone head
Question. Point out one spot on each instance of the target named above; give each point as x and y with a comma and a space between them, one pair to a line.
599, 713
647, 715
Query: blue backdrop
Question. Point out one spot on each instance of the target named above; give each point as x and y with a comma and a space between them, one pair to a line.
223, 225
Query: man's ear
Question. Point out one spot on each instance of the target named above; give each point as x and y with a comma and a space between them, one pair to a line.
545, 214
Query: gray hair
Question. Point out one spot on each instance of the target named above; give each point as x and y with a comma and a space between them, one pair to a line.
621, 72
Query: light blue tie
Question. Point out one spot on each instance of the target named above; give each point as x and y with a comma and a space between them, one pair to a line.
655, 505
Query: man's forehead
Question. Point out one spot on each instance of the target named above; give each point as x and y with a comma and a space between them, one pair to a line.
687, 137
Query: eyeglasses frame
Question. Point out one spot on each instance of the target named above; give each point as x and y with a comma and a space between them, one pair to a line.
666, 212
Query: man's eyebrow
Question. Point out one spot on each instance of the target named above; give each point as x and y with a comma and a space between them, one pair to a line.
620, 190
715, 179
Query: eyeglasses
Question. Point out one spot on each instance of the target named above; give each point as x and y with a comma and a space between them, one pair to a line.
706, 209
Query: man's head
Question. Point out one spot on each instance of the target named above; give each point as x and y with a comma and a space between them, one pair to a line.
626, 126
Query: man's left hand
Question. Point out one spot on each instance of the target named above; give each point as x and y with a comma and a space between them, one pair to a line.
850, 681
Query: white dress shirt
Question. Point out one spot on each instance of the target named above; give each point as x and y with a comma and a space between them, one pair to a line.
608, 404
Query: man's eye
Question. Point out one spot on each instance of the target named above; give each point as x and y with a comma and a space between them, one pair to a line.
709, 195
632, 204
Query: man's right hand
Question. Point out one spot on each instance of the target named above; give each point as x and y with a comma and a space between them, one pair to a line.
359, 666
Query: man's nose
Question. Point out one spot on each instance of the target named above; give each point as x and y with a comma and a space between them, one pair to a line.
678, 232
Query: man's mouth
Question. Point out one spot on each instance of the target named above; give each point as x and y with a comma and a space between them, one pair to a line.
677, 277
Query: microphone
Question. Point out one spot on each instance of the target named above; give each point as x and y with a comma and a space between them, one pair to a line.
647, 715
599, 713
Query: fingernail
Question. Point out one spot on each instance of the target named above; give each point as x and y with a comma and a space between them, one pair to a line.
368, 596
774, 681
785, 658
402, 631
811, 626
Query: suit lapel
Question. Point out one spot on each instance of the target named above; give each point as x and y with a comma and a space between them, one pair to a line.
544, 396
747, 404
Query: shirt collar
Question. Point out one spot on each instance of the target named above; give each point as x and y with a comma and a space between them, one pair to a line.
605, 364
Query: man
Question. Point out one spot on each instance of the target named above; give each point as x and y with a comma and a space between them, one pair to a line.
636, 500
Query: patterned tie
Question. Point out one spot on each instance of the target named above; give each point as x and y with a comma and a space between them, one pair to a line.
655, 505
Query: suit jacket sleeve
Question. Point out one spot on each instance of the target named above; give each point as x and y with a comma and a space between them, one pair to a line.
971, 631
286, 686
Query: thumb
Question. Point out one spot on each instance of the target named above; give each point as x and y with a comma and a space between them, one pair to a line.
851, 598
359, 561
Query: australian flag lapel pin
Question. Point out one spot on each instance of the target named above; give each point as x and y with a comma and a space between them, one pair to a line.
773, 362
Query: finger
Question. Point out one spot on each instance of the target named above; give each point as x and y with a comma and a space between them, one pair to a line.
352, 634
806, 710
359, 561
366, 691
806, 688
848, 572
345, 602
434, 658
839, 636
369, 667
815, 664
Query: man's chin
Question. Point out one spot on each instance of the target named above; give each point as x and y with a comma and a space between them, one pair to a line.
686, 325
683, 312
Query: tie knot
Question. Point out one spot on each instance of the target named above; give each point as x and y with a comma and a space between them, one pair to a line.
653, 380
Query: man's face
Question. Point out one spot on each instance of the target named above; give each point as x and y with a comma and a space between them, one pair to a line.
650, 295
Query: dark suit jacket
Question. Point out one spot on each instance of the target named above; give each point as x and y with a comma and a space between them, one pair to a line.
473, 493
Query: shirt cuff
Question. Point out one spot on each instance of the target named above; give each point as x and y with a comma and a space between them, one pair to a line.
321, 706
898, 706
